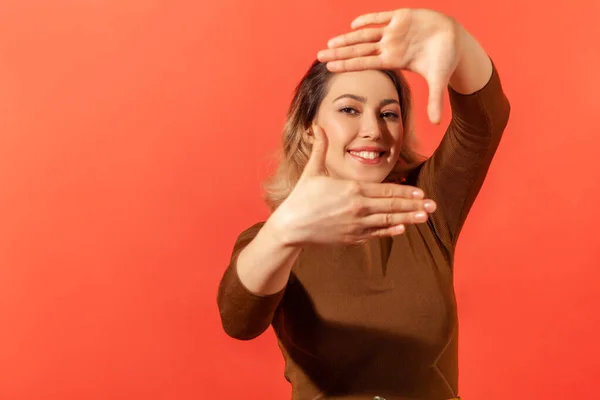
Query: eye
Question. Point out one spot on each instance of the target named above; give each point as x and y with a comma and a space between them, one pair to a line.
389, 115
348, 110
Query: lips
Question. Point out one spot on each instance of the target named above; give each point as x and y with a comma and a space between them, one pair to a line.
368, 154
376, 149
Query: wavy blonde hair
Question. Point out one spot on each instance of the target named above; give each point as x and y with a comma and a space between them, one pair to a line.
296, 150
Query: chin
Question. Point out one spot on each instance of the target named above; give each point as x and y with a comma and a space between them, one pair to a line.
371, 178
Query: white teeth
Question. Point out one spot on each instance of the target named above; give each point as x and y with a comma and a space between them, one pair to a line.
369, 155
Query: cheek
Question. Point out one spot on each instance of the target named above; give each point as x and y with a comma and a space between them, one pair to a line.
339, 129
396, 134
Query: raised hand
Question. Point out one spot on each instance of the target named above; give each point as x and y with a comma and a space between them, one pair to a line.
422, 41
325, 210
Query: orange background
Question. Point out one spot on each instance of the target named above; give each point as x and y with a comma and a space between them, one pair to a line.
134, 136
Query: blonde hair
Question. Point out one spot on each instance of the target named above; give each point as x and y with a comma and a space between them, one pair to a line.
304, 106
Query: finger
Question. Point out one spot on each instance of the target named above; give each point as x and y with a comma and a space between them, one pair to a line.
397, 205
356, 64
435, 101
316, 161
372, 19
434, 105
388, 190
366, 35
386, 232
344, 53
380, 232
386, 220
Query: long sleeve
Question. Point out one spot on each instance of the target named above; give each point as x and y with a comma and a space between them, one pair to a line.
454, 175
244, 315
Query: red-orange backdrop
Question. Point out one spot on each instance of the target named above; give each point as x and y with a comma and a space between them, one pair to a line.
134, 136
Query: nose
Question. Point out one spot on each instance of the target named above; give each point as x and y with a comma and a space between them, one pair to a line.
370, 128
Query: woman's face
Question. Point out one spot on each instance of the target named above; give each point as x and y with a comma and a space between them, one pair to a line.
362, 121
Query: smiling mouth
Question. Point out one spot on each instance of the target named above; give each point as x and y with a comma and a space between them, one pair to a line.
367, 155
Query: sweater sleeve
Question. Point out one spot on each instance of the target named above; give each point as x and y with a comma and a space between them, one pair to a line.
244, 315
454, 174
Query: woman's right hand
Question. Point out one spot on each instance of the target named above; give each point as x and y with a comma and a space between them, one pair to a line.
325, 210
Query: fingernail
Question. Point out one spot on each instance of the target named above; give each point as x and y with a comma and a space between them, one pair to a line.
430, 205
331, 43
420, 215
417, 194
333, 66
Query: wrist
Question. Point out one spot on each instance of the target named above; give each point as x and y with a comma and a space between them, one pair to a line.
281, 228
474, 66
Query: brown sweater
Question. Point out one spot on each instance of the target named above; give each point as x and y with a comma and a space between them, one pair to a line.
380, 319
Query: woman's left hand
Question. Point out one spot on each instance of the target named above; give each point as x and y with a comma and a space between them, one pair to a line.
422, 41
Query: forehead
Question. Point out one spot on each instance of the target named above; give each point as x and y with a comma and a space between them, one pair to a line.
374, 85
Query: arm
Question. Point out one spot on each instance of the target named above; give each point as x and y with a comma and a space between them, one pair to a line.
455, 173
254, 282
474, 67
320, 210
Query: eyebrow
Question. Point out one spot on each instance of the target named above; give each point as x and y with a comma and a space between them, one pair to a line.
362, 99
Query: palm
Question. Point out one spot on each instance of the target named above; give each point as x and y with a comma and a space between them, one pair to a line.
422, 41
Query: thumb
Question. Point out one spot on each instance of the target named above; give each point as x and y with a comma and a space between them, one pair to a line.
436, 98
316, 162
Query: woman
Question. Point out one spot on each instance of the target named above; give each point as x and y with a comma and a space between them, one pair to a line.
353, 269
